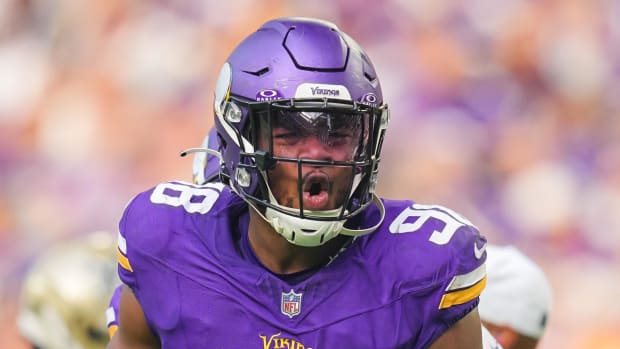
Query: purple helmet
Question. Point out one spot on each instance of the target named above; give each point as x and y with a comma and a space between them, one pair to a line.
302, 73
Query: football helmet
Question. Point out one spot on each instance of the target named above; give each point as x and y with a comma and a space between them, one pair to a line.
66, 291
311, 79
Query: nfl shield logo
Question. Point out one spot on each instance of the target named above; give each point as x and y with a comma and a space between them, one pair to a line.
291, 303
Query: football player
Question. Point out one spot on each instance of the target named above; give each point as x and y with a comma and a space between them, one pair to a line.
293, 248
516, 304
205, 168
65, 292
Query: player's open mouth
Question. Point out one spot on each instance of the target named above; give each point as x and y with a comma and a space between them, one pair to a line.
316, 191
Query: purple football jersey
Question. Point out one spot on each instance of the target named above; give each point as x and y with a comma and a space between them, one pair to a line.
184, 251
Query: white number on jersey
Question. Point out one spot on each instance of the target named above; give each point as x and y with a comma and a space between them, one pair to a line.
194, 199
453, 221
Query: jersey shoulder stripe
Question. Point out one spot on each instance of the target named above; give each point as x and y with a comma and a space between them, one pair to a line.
121, 251
467, 291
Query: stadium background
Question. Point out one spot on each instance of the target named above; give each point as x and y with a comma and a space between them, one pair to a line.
507, 111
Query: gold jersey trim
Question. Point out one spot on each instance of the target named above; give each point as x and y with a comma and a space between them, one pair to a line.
462, 296
123, 261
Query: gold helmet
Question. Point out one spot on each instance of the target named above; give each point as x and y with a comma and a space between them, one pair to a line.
66, 292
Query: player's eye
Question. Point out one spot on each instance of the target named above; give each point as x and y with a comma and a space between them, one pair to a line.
287, 137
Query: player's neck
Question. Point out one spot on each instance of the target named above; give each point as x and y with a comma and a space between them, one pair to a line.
282, 257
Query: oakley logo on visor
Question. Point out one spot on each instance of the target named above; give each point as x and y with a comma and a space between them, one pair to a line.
370, 99
268, 94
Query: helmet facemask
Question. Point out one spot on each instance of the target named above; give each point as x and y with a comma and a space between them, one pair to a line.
309, 164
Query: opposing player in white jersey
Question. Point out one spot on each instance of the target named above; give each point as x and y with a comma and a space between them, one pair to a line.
516, 303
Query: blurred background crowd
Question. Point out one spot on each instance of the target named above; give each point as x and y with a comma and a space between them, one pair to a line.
506, 111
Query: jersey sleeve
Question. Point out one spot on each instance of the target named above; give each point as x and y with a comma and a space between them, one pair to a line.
125, 269
462, 271
146, 227
468, 276
440, 260
147, 245
156, 228
158, 238
145, 231
112, 312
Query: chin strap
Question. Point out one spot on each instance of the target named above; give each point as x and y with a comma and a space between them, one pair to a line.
360, 232
329, 229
